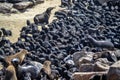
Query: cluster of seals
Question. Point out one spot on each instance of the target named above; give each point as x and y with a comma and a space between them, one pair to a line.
15, 71
65, 36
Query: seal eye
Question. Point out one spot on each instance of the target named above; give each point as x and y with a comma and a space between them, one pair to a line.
15, 61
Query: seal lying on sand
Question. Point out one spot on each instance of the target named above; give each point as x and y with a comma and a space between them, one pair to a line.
44, 17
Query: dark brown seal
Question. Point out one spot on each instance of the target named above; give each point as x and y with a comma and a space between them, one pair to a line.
44, 17
101, 43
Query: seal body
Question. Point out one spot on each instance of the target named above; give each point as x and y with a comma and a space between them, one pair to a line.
101, 44
20, 55
10, 73
44, 17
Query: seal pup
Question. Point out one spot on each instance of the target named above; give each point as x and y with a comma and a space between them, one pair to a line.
33, 68
46, 67
44, 17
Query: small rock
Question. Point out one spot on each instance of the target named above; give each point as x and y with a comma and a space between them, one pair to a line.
22, 5
86, 67
5, 7
117, 53
13, 10
114, 72
85, 75
101, 66
86, 59
78, 55
104, 60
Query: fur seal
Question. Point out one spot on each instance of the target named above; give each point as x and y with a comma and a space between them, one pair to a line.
44, 17
46, 67
6, 32
20, 55
102, 43
10, 73
31, 67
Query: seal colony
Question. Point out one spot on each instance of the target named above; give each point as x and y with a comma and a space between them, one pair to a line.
50, 53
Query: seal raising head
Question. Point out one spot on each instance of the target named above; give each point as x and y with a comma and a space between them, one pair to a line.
44, 17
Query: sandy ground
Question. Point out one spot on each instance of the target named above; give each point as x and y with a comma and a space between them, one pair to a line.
15, 22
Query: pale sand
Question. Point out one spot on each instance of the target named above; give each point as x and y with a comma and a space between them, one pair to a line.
15, 22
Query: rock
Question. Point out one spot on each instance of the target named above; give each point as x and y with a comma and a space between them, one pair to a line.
22, 5
99, 77
78, 55
86, 59
13, 10
39, 1
99, 66
117, 53
85, 75
114, 72
110, 55
86, 67
104, 60
5, 7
